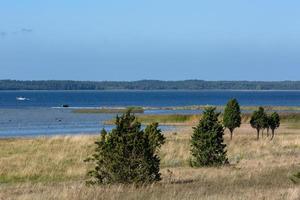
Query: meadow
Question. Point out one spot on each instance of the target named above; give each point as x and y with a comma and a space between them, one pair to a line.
54, 168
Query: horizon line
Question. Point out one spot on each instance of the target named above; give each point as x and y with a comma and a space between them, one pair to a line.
180, 80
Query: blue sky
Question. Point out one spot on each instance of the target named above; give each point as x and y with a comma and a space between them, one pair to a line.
157, 39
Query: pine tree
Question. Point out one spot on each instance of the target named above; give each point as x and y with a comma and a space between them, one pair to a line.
232, 116
128, 154
274, 123
258, 120
207, 147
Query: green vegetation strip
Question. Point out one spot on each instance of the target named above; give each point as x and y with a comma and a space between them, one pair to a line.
175, 118
109, 110
245, 108
148, 85
194, 107
188, 119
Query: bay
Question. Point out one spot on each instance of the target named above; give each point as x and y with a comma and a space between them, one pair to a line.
40, 113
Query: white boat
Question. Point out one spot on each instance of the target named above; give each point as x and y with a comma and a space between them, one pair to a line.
22, 99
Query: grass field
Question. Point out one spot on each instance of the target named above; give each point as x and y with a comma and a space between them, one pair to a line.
53, 168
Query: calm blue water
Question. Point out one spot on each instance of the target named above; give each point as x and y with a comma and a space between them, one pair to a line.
145, 98
38, 115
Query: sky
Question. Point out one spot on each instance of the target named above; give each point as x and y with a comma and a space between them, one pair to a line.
150, 39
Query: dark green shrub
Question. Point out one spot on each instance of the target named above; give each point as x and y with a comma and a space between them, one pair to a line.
207, 147
128, 154
232, 116
274, 123
258, 120
265, 124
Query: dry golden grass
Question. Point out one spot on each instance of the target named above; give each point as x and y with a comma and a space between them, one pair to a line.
53, 168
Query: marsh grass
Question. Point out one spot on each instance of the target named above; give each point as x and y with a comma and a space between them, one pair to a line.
53, 168
172, 119
221, 108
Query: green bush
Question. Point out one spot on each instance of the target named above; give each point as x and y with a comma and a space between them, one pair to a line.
274, 123
128, 154
207, 147
259, 119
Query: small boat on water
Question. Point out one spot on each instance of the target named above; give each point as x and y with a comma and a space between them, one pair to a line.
22, 99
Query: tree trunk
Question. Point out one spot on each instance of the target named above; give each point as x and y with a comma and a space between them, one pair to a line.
262, 133
231, 133
273, 133
268, 130
257, 134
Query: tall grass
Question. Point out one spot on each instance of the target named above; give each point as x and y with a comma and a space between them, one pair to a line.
174, 118
53, 168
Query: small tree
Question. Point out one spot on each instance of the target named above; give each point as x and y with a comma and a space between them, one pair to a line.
232, 116
265, 123
128, 154
207, 147
274, 123
258, 120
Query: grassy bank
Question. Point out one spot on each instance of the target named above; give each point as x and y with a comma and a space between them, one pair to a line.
53, 168
195, 107
108, 110
172, 119
191, 119
246, 108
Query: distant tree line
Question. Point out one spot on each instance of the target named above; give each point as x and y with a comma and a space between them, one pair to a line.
147, 85
130, 155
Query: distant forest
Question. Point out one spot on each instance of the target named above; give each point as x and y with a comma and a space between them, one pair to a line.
148, 85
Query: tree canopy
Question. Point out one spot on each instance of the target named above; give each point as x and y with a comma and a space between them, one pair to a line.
127, 154
232, 116
274, 123
207, 147
147, 85
258, 120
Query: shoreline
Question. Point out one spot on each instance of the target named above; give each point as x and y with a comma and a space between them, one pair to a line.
167, 122
142, 109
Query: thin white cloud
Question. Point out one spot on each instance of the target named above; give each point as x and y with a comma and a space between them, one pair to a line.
20, 31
